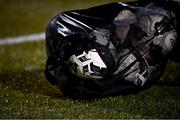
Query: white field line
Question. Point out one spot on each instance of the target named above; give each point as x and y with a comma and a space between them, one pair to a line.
21, 39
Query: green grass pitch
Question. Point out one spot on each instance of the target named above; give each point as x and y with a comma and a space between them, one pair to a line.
25, 92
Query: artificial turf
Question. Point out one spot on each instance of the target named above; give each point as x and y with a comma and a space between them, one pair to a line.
25, 92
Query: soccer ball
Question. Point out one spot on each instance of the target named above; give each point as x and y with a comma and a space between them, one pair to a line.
88, 65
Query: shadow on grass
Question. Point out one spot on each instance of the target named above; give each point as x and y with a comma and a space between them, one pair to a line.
148, 104
173, 83
30, 81
34, 81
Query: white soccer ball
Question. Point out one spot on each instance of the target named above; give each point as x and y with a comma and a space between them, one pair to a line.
88, 65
